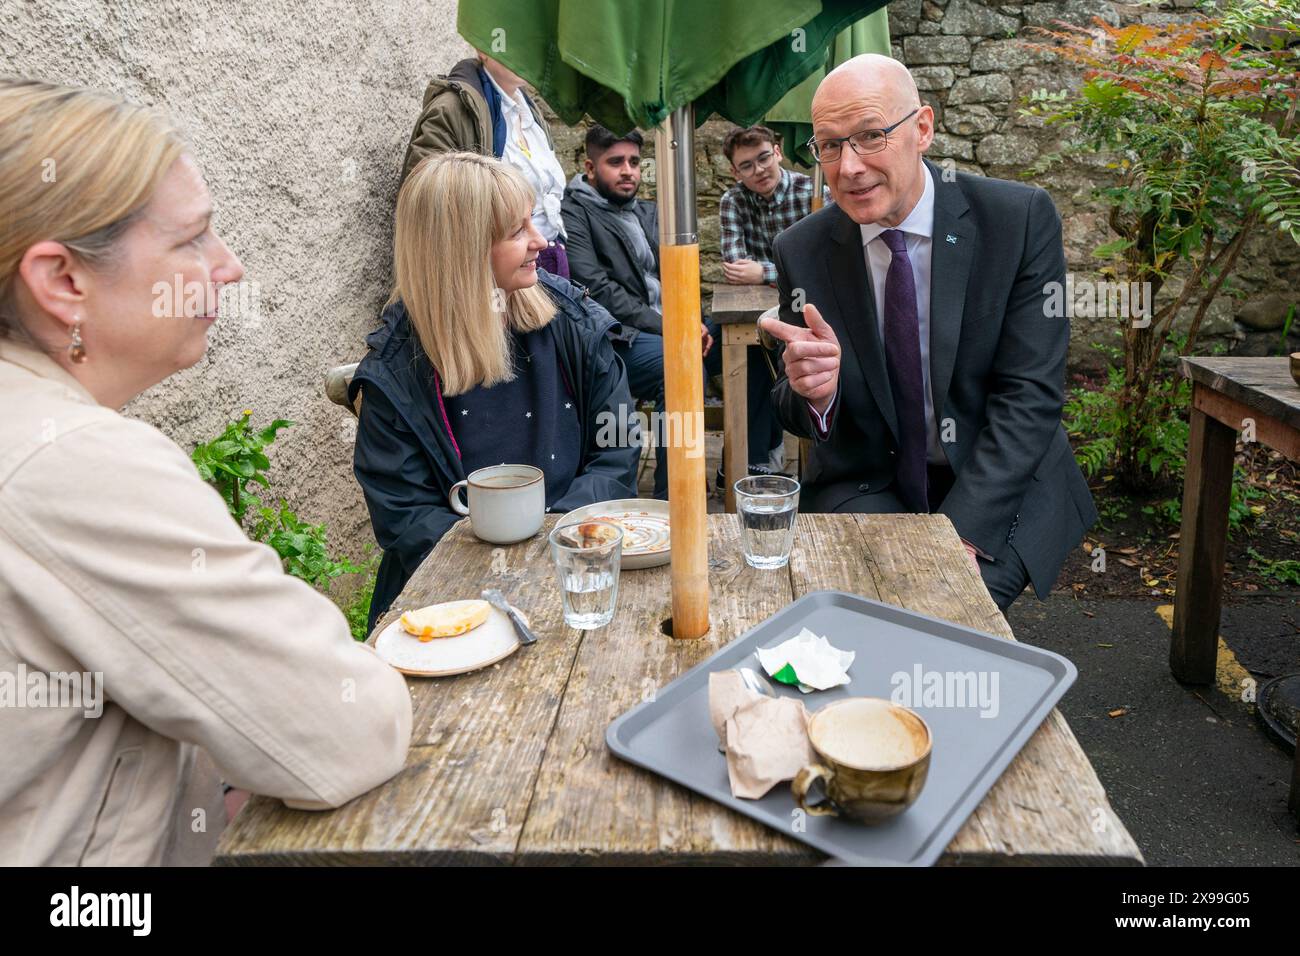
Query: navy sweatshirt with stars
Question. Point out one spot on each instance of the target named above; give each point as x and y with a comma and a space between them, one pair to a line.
528, 421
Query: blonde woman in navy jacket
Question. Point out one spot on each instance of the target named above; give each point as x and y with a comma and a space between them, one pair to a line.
481, 359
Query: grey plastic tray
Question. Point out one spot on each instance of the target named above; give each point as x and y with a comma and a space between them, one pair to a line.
672, 735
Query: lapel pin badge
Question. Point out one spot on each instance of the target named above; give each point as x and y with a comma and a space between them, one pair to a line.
951, 238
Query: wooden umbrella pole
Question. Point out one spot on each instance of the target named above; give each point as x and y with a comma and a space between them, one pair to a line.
679, 270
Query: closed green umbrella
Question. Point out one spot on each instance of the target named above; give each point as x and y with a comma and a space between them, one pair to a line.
630, 63
667, 65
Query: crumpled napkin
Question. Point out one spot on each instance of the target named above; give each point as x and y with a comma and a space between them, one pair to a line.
807, 661
766, 739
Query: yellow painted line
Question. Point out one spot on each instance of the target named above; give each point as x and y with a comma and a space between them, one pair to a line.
1229, 676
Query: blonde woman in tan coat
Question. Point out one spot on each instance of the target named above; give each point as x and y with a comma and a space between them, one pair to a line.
148, 649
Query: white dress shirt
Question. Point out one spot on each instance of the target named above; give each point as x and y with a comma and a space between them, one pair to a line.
918, 227
526, 150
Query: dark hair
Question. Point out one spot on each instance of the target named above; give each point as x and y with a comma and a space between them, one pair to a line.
749, 136
600, 139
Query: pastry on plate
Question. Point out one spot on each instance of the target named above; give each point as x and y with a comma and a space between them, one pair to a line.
450, 619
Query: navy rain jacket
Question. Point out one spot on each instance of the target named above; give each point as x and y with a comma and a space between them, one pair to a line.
405, 459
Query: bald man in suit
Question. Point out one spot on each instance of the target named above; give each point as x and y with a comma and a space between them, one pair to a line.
918, 353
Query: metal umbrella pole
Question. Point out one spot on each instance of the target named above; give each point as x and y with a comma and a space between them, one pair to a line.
679, 270
819, 176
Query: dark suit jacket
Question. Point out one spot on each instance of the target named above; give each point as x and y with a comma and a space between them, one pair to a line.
601, 258
997, 369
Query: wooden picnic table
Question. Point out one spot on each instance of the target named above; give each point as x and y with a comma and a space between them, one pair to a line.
508, 765
1229, 395
736, 309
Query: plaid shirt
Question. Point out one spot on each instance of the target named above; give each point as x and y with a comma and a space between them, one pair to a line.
750, 223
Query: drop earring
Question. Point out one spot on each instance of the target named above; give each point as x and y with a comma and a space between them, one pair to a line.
76, 350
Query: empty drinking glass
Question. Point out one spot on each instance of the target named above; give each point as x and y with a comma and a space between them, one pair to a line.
587, 556
767, 505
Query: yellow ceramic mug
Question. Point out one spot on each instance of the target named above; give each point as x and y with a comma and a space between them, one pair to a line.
874, 759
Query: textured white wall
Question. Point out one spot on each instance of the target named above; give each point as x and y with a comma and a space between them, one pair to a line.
298, 113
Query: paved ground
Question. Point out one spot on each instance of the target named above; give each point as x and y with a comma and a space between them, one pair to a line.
1189, 770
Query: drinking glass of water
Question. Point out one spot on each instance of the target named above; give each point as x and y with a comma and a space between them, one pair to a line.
587, 556
767, 505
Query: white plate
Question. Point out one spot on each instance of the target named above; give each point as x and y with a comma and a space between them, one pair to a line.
647, 541
491, 641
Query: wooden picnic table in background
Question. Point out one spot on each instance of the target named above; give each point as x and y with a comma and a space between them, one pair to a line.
508, 765
736, 309
1229, 394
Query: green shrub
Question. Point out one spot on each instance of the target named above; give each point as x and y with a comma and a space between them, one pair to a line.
1198, 121
234, 459
1095, 417
233, 462
301, 546
357, 610
1281, 570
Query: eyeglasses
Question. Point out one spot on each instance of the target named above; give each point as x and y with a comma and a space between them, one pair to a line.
758, 162
863, 142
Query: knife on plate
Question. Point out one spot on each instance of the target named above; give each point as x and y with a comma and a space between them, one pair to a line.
498, 601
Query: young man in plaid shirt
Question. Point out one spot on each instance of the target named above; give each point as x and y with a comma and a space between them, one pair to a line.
766, 199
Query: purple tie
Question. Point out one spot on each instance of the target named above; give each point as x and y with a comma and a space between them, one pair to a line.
903, 359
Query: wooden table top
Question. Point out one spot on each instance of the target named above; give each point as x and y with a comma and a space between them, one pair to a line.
1264, 384
741, 303
508, 765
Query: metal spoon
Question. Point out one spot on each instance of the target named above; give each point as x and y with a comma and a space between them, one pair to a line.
756, 681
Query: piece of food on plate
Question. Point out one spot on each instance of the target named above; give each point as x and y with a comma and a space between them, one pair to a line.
445, 620
595, 534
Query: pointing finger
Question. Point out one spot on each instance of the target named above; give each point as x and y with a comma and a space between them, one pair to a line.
810, 348
816, 324
783, 330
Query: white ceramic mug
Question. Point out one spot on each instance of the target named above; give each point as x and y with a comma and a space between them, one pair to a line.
507, 503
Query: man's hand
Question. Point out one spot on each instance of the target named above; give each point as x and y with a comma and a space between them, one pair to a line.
812, 357
708, 339
743, 272
971, 553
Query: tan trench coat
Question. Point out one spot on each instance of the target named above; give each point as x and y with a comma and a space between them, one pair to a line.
117, 562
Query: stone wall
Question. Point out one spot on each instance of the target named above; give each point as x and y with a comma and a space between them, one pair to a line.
298, 114
971, 66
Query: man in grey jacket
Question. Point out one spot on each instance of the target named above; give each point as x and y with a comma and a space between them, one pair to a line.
613, 250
